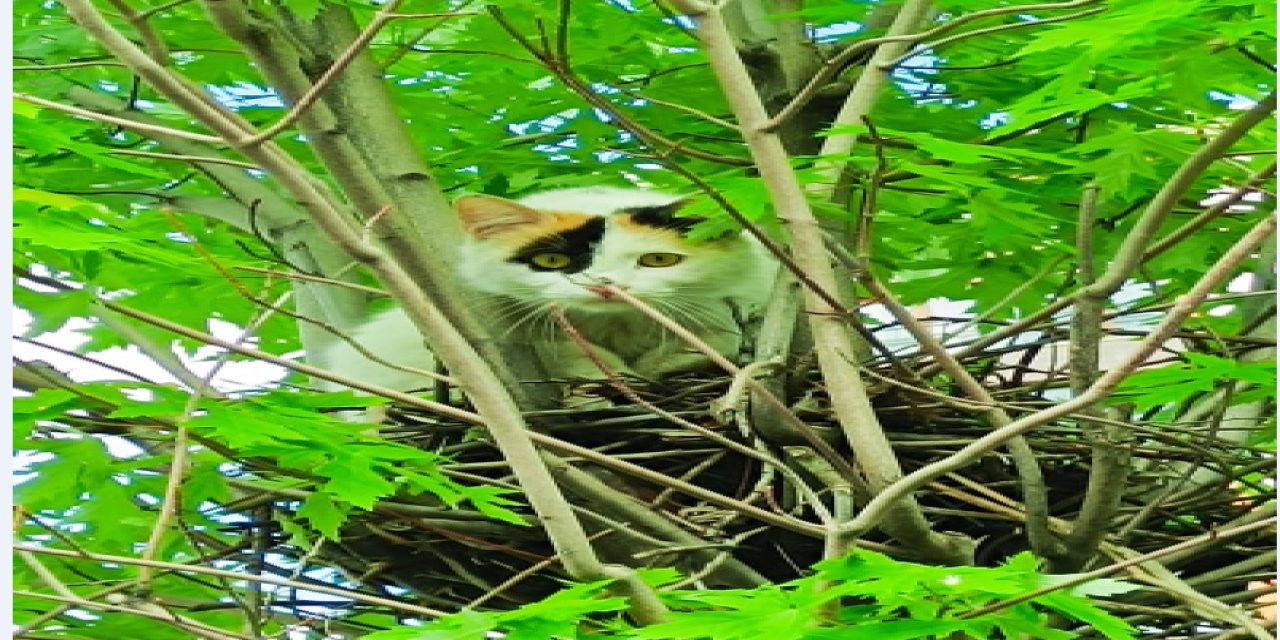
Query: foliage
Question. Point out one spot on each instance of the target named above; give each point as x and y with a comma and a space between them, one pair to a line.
967, 183
890, 600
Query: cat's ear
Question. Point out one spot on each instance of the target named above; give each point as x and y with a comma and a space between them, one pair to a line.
487, 216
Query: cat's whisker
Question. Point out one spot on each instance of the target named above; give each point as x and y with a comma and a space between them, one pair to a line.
693, 312
533, 316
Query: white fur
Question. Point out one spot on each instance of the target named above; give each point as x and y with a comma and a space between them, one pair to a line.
701, 293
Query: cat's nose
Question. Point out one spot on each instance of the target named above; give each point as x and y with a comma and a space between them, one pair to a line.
605, 292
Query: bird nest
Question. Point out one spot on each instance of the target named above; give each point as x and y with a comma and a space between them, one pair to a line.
700, 431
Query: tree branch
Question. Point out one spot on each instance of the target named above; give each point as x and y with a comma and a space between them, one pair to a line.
1109, 444
836, 356
1181, 310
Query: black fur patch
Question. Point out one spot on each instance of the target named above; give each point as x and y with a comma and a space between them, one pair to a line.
663, 217
579, 244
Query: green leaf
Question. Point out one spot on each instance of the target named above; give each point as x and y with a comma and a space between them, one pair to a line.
355, 480
1179, 382
464, 625
1079, 609
325, 516
892, 630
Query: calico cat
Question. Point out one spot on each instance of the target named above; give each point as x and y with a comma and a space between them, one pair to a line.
521, 257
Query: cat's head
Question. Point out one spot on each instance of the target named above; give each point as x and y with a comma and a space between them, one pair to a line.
561, 246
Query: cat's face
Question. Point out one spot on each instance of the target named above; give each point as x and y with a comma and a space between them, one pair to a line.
562, 256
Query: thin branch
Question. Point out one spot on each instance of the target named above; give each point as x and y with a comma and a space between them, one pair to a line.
779, 520
1086, 323
316, 372
151, 40
146, 610
68, 65
1110, 446
615, 380
184, 158
131, 125
159, 354
933, 46
1213, 212
688, 337
293, 275
395, 605
161, 8
831, 68
46, 576
86, 358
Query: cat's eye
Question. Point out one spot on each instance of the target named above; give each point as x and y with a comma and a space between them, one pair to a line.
551, 260
660, 259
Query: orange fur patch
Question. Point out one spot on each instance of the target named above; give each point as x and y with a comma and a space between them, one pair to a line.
626, 221
549, 223
511, 223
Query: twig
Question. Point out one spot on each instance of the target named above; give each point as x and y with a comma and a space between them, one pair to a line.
806, 431
836, 64
154, 612
159, 354
46, 576
264, 579
87, 358
778, 520
171, 500
936, 44
616, 382
293, 275
316, 372
151, 11
1211, 213
123, 123
183, 158
68, 65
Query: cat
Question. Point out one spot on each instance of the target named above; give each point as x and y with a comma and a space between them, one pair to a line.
520, 258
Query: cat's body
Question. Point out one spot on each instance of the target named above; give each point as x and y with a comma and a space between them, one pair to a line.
557, 249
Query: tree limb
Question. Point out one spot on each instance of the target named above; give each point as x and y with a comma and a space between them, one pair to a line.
836, 356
